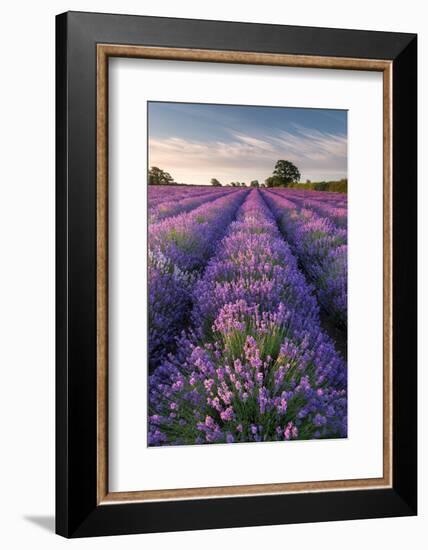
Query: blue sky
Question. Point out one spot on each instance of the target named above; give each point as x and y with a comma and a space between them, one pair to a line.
197, 142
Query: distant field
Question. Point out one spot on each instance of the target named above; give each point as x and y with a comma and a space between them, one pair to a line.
247, 314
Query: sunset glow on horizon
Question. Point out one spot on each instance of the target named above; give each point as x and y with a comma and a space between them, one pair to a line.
197, 142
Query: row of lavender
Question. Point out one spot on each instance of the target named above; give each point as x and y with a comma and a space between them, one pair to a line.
174, 206
321, 247
257, 366
179, 248
334, 208
335, 213
157, 194
325, 197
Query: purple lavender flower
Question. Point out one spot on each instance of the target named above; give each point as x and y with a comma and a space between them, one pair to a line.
255, 364
179, 247
321, 246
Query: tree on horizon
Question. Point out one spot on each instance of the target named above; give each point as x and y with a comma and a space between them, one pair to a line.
284, 174
159, 177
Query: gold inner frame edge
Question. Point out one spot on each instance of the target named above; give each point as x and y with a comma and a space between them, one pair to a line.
104, 52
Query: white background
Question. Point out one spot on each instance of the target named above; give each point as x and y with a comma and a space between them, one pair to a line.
132, 83
27, 274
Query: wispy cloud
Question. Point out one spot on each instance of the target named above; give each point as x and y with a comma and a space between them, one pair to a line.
319, 155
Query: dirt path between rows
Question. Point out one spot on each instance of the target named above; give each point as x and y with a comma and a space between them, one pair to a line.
339, 336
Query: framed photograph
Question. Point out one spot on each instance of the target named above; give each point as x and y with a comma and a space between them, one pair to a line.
236, 274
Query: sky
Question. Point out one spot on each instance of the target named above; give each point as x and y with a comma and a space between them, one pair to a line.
197, 142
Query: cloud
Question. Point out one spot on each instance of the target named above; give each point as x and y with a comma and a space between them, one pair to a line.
314, 144
254, 142
319, 155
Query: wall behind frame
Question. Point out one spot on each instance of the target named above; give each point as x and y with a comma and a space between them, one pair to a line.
27, 271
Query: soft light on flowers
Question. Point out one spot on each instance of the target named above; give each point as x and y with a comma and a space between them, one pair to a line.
253, 363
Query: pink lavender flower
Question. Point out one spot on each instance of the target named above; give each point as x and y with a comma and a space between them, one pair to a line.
291, 431
282, 406
227, 414
209, 383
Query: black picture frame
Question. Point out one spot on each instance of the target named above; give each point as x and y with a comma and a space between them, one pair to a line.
77, 511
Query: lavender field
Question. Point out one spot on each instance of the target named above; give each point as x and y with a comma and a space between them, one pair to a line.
247, 314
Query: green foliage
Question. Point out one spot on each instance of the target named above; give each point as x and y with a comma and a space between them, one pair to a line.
284, 174
340, 186
274, 181
159, 177
181, 238
215, 182
320, 186
254, 183
269, 342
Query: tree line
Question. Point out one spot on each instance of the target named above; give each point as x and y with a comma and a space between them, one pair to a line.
285, 174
